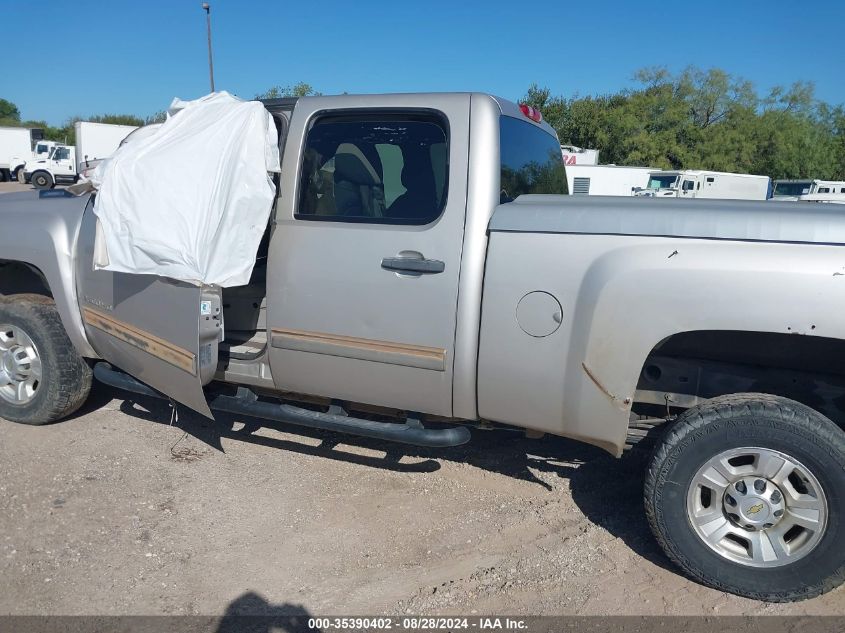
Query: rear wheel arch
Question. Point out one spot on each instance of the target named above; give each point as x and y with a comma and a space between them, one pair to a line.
698, 365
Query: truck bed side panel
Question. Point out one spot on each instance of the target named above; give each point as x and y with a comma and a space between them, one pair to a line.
620, 296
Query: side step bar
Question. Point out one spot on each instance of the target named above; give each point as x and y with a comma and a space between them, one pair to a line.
247, 403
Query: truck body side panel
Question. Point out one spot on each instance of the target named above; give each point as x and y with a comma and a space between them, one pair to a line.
41, 229
620, 296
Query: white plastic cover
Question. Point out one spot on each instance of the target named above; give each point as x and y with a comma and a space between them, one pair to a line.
190, 199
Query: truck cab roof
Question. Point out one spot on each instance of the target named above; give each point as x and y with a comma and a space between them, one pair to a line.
506, 107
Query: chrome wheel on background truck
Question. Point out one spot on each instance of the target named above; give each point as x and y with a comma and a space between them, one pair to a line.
746, 493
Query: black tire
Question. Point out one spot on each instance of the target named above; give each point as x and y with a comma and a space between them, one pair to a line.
4, 175
20, 175
743, 420
42, 180
65, 376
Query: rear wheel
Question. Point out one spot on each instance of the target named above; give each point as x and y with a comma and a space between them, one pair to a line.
746, 493
20, 175
42, 378
42, 180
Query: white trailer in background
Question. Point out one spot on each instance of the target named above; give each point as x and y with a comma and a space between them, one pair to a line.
605, 180
96, 141
693, 183
579, 156
786, 190
14, 142
833, 198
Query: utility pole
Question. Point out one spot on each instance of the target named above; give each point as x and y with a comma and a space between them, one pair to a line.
207, 9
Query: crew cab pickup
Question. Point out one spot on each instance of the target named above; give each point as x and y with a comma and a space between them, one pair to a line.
421, 274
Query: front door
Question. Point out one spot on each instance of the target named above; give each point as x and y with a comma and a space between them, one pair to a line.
366, 253
161, 331
64, 162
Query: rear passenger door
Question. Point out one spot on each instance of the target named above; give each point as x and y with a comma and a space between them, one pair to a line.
162, 331
365, 258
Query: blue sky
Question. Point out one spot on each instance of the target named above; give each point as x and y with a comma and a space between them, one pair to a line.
81, 57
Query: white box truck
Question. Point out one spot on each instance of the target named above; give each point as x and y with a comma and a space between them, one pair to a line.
605, 180
94, 142
693, 183
16, 148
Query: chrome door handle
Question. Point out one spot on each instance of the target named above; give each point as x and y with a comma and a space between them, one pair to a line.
413, 265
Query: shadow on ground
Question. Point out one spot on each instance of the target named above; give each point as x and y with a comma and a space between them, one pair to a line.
606, 489
251, 613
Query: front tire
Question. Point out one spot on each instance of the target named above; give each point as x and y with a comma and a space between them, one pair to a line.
42, 180
42, 377
746, 493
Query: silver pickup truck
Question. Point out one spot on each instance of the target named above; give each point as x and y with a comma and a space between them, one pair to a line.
419, 276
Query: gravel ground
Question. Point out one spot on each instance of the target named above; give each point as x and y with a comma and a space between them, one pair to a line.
102, 514
12, 186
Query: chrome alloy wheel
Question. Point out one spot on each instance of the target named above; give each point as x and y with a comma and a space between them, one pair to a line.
20, 365
757, 507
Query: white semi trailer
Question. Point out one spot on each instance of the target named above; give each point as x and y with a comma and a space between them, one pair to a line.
605, 180
693, 183
788, 190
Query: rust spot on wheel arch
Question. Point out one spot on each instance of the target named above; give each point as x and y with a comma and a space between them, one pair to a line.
623, 404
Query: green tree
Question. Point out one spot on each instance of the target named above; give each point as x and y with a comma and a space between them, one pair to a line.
9, 111
300, 89
158, 117
703, 119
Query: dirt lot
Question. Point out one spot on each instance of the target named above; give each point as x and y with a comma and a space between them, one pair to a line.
9, 187
101, 514
12, 186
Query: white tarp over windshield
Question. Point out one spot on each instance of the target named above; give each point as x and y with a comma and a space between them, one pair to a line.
191, 199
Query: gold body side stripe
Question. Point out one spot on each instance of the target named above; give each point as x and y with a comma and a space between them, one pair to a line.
140, 339
360, 348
